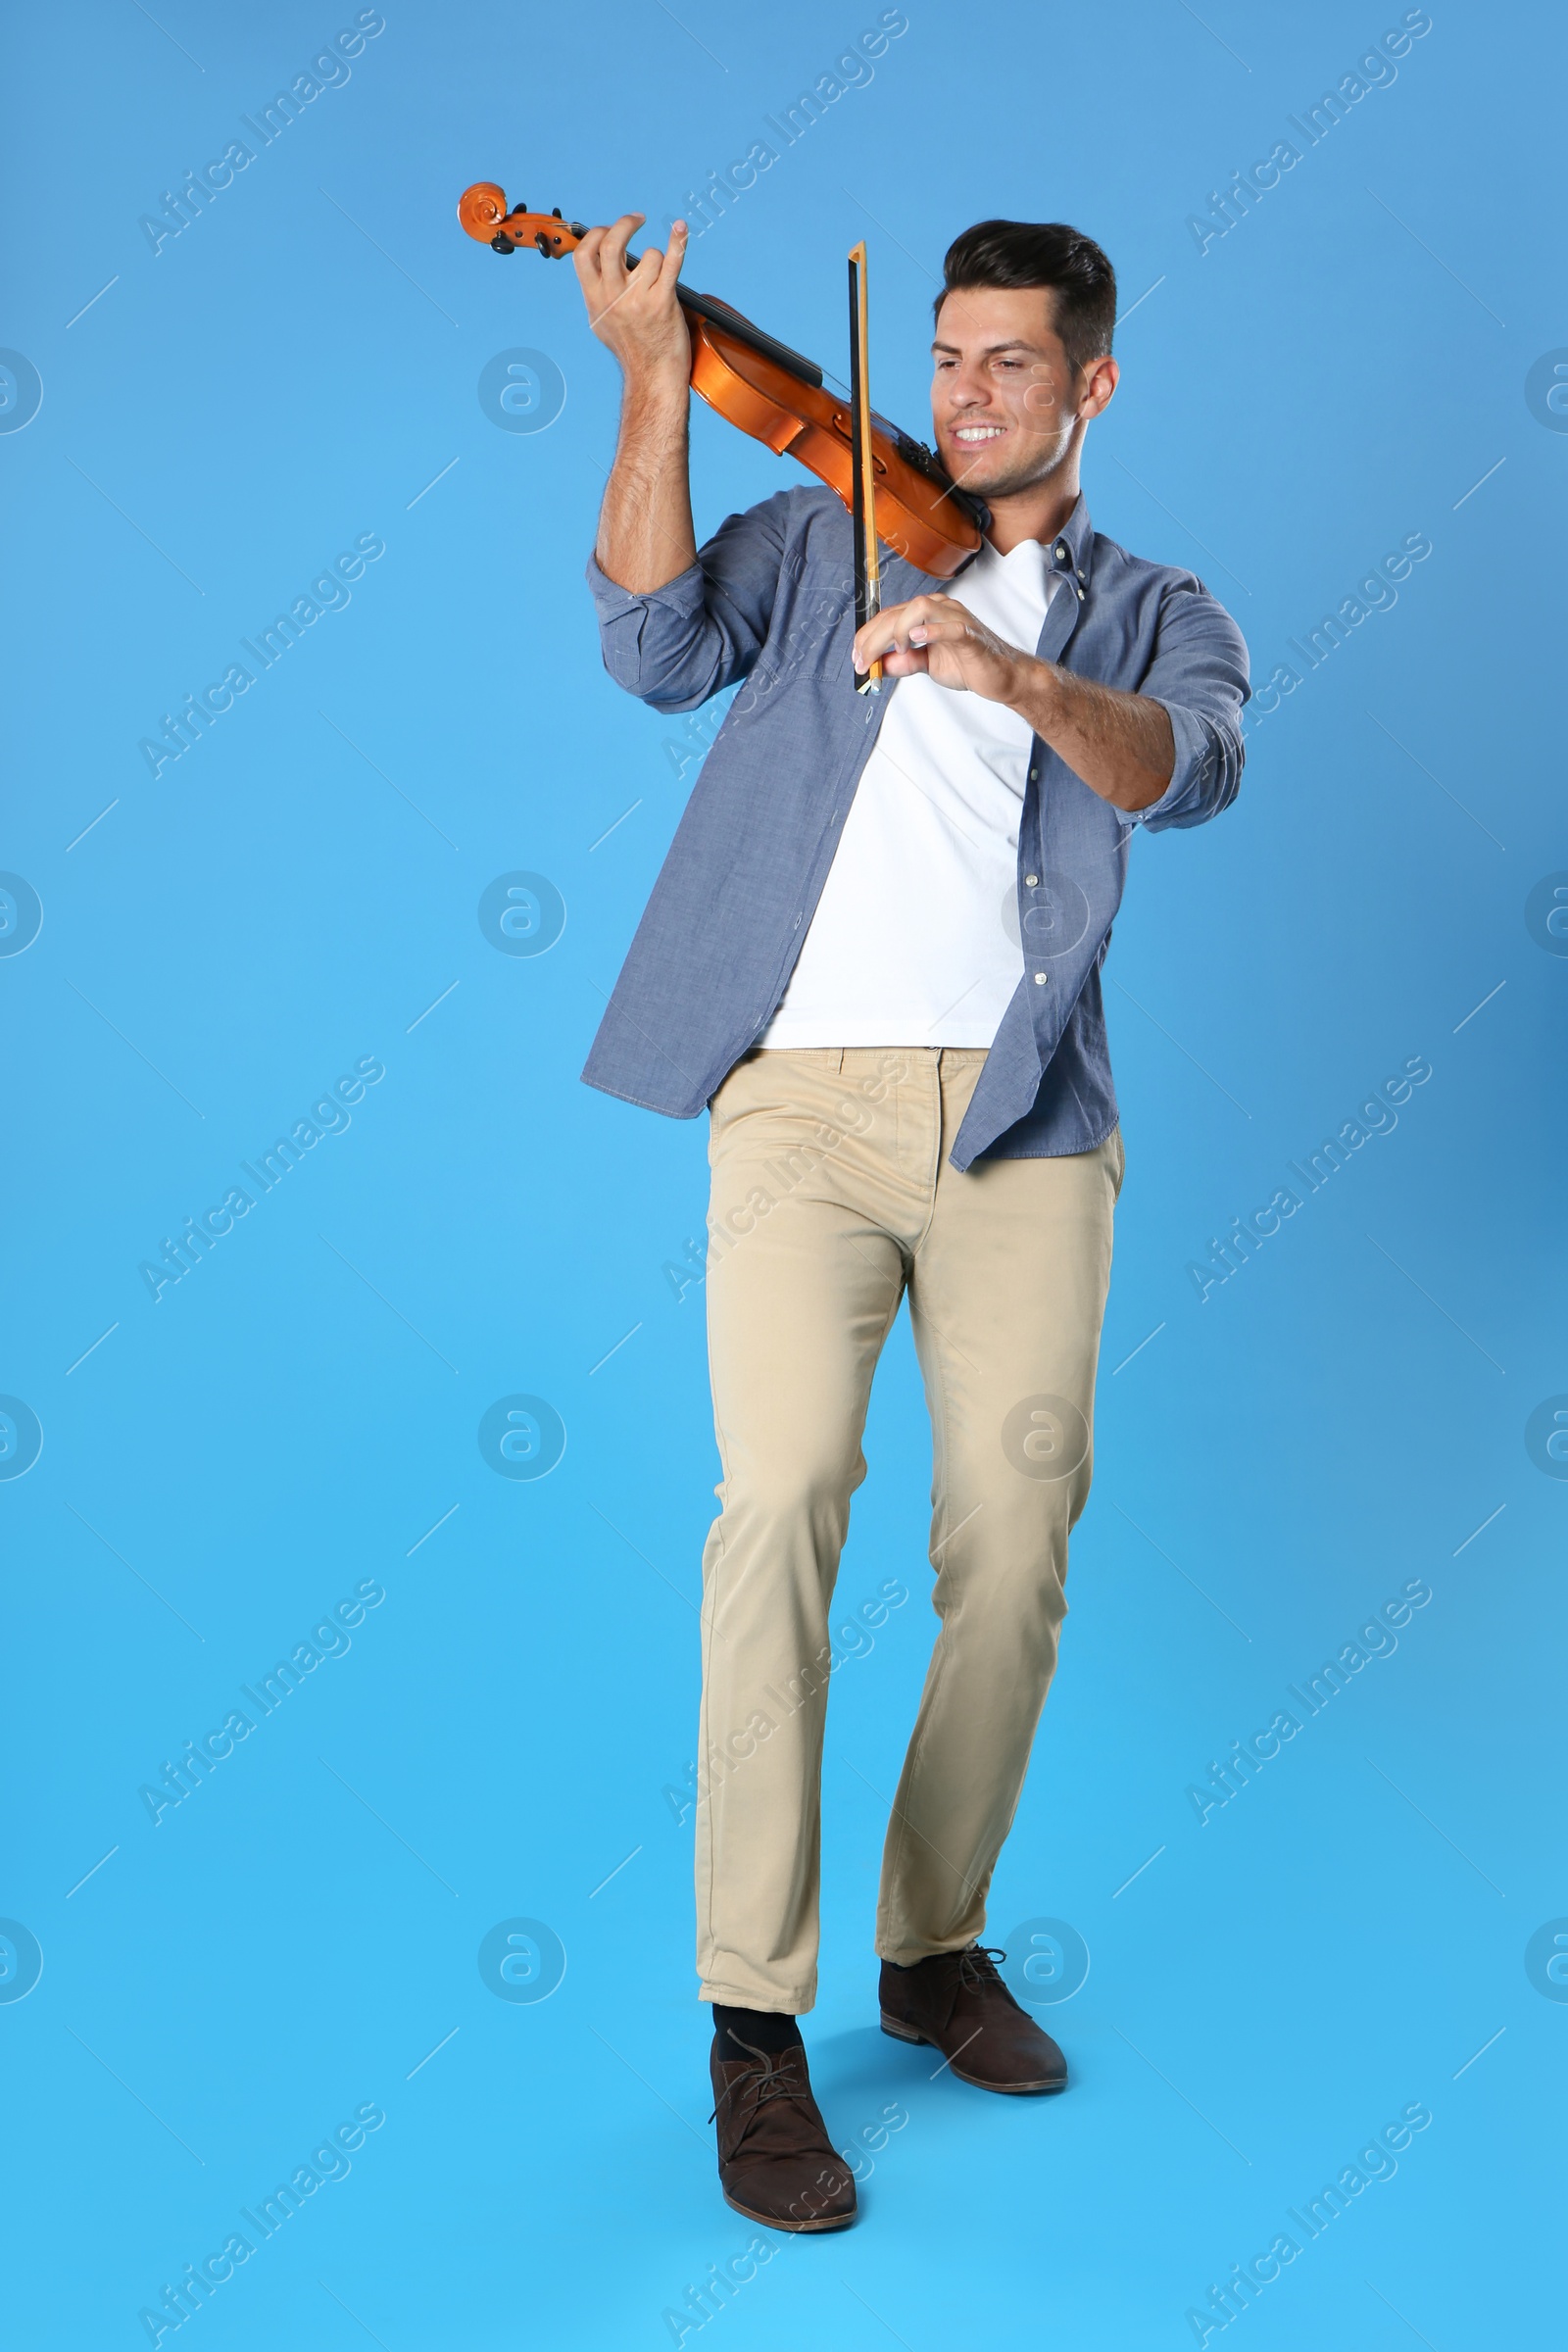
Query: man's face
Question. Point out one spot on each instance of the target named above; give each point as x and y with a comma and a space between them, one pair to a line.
1003, 399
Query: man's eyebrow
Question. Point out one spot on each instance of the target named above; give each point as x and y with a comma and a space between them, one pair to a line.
988, 350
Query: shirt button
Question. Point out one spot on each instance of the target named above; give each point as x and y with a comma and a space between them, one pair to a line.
1041, 978
1031, 881
1080, 596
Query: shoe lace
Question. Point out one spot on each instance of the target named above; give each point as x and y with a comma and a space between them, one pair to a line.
767, 2078
977, 1966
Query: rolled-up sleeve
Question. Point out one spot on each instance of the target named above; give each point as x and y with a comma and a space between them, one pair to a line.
1199, 673
703, 630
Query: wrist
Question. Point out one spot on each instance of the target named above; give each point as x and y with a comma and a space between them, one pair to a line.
661, 384
1036, 692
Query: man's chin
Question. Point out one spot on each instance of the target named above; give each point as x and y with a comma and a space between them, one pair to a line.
992, 473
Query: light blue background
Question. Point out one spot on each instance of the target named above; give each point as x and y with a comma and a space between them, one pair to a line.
301, 887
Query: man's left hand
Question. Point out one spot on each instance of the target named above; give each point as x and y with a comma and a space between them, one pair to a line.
939, 636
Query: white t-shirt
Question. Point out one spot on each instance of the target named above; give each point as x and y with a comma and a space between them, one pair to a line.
915, 941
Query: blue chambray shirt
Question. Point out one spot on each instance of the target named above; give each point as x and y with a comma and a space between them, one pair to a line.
770, 601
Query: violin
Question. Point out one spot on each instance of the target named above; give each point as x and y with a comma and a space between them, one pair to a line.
779, 398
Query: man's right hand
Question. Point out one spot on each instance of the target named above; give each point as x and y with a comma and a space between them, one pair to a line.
646, 537
635, 311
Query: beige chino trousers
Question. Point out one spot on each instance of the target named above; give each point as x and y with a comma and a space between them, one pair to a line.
832, 1198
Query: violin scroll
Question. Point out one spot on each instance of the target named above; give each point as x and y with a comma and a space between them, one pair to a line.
481, 209
482, 212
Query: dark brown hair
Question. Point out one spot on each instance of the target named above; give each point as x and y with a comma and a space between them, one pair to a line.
1040, 252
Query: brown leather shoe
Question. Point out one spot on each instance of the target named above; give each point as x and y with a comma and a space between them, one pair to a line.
956, 2002
776, 2164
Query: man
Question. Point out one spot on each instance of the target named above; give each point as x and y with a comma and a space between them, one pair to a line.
873, 953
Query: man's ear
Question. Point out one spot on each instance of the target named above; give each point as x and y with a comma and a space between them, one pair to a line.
1101, 379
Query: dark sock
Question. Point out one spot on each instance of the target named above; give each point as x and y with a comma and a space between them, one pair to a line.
763, 2028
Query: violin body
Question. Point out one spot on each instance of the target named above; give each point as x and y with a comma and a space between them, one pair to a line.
777, 396
917, 511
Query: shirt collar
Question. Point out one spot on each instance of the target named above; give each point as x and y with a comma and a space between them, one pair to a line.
1068, 557
1070, 554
